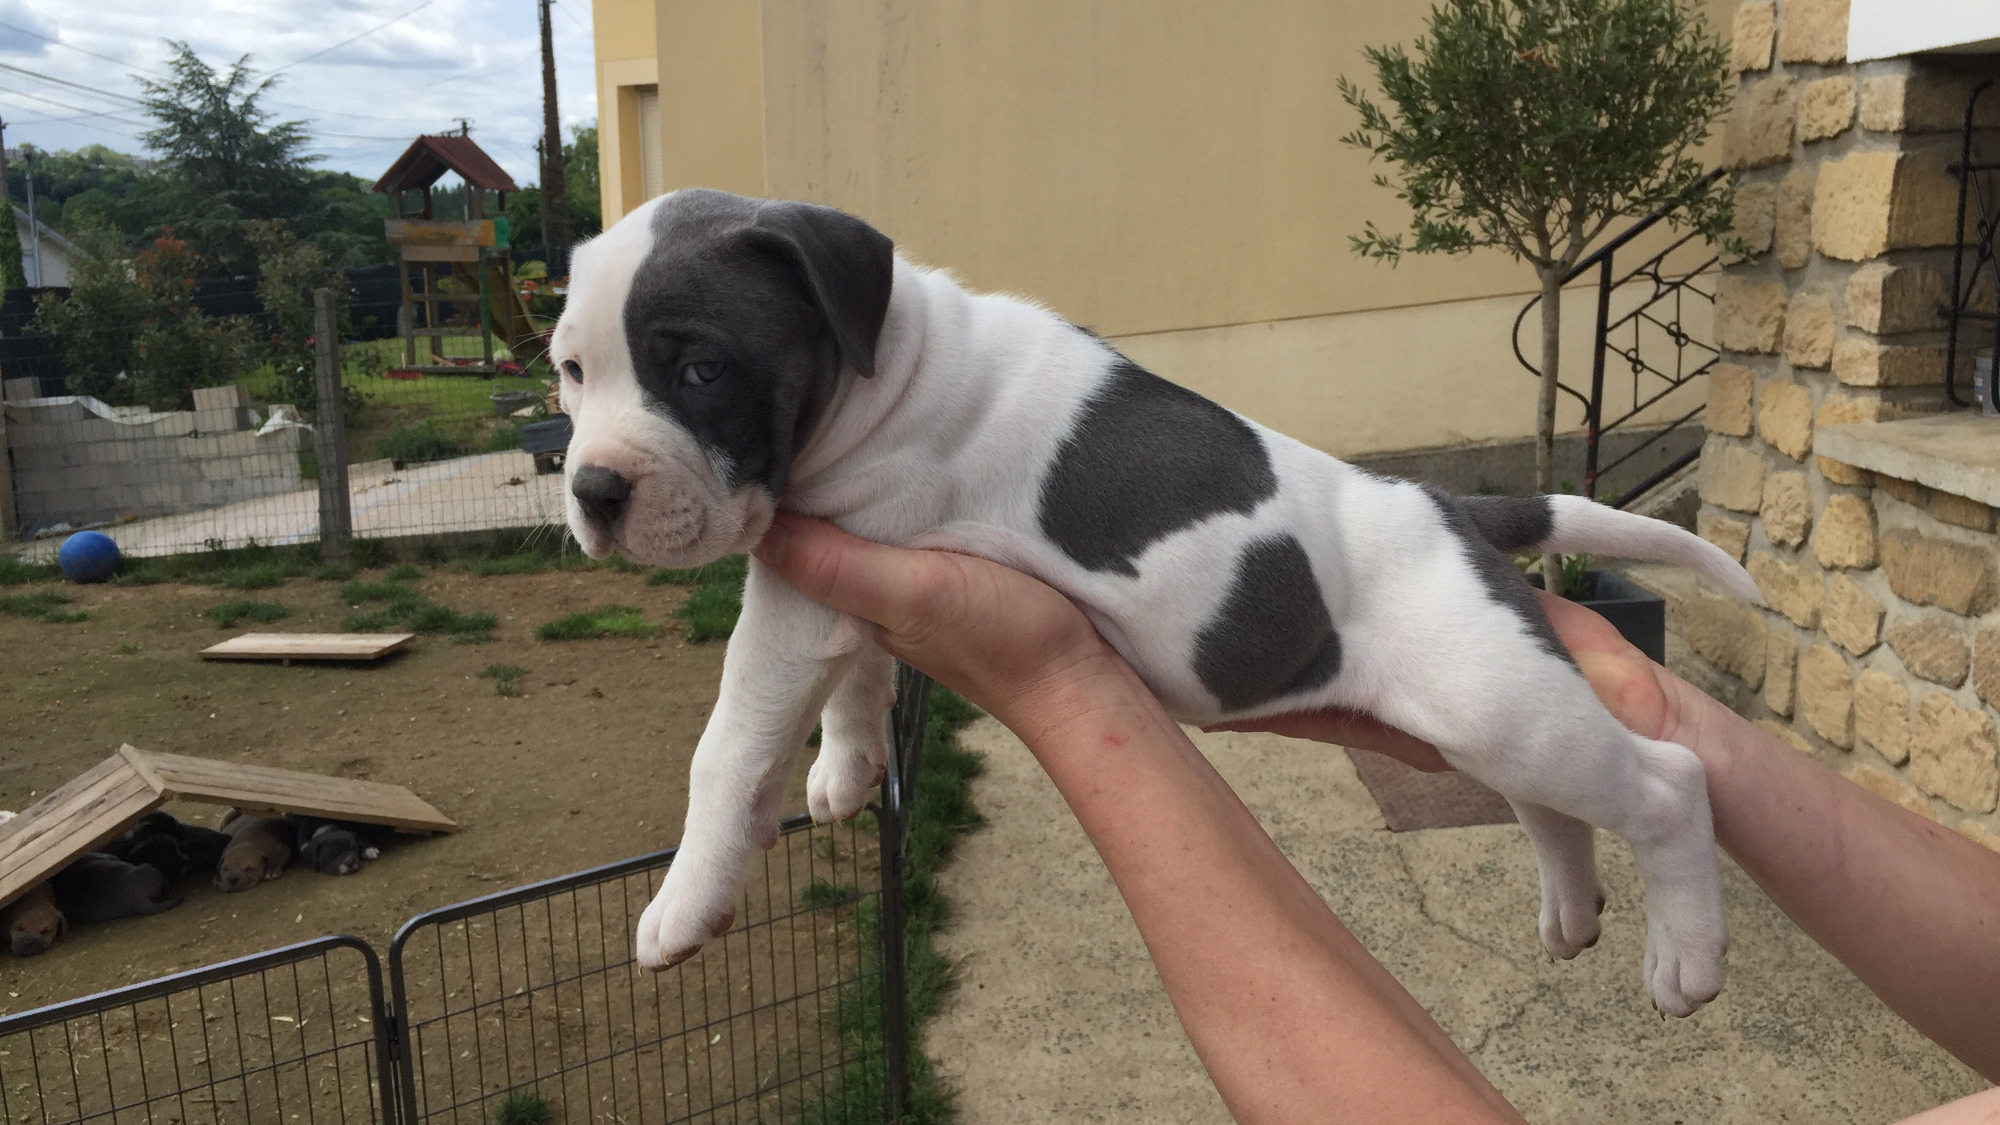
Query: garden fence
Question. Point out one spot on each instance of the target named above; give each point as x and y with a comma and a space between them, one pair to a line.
528, 995
167, 460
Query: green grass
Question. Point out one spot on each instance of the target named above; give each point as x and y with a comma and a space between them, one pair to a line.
522, 1107
229, 613
504, 677
604, 621
14, 572
403, 606
821, 895
941, 814
716, 601
404, 572
333, 572
128, 649
253, 567
43, 605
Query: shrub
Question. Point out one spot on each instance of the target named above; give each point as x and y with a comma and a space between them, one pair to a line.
425, 441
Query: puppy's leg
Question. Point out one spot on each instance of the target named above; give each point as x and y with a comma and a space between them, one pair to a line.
1566, 860
782, 662
1526, 723
854, 737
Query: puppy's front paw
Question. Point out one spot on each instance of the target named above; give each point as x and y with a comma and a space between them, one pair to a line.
1569, 922
690, 909
842, 779
1683, 970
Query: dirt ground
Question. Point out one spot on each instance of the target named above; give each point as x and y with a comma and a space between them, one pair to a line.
589, 765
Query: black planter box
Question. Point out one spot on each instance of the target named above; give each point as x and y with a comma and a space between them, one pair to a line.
1639, 615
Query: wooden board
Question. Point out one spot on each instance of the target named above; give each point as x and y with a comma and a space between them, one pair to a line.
95, 808
288, 647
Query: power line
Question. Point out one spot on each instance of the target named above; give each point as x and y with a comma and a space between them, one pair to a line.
79, 110
352, 38
92, 90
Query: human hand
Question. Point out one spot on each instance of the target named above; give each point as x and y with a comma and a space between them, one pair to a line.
1645, 697
1004, 640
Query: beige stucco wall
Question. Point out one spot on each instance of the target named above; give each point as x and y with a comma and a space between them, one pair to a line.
1169, 174
627, 58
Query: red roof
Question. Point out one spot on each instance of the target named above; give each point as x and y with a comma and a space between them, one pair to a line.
428, 158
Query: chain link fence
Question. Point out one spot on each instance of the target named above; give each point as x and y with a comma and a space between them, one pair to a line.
198, 439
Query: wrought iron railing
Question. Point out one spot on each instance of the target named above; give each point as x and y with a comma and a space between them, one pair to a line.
1652, 339
1979, 192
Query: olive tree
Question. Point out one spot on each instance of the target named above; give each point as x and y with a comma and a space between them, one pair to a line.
1531, 126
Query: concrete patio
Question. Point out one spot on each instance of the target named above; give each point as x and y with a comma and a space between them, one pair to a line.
1059, 1016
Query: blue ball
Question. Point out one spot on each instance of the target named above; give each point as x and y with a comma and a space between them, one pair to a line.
88, 556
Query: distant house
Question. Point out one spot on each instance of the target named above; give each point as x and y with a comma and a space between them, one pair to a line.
47, 258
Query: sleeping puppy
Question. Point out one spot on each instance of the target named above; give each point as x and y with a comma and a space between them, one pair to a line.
333, 847
725, 357
259, 848
97, 887
32, 922
178, 849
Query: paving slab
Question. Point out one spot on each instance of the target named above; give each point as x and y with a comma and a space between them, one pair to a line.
1059, 1016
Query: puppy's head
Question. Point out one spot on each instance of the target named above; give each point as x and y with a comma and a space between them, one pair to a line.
703, 337
33, 923
241, 868
333, 850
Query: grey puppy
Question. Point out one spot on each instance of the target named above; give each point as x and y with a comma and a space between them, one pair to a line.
333, 847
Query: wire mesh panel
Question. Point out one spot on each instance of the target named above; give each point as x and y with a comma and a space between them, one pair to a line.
194, 428
289, 1035
533, 994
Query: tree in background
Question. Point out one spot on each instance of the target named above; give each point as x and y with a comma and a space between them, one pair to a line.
288, 270
131, 332
13, 275
1531, 126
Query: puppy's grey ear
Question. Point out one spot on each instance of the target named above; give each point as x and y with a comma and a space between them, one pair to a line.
848, 265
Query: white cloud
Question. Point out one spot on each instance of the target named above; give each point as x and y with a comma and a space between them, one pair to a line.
364, 101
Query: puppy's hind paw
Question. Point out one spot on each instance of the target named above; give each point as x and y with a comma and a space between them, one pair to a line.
838, 786
1569, 924
1682, 972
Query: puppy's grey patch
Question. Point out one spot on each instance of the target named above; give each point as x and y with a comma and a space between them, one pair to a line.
1510, 523
1494, 571
1273, 635
1145, 459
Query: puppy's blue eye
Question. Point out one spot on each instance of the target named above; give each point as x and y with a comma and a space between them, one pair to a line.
573, 369
703, 373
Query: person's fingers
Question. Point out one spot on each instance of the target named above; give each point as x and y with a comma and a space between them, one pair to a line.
1346, 728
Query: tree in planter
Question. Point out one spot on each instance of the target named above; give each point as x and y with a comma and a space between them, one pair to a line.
1531, 126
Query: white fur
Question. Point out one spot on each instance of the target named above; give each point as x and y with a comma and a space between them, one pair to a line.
946, 446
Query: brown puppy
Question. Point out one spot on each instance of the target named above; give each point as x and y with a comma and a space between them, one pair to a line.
32, 922
259, 847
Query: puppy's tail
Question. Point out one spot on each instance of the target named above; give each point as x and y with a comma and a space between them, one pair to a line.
1574, 525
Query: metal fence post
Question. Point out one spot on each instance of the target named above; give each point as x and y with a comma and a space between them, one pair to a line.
895, 994
330, 432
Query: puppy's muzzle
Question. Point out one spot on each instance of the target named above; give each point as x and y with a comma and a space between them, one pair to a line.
601, 493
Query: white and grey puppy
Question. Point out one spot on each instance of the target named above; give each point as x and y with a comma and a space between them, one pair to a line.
725, 357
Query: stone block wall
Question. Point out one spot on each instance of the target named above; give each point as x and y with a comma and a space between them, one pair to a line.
1879, 647
73, 465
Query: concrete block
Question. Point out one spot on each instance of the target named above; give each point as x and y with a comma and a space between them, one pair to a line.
231, 396
224, 421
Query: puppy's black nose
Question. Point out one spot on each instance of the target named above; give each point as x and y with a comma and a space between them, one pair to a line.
601, 491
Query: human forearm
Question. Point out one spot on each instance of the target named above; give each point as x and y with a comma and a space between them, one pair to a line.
1293, 1019
1911, 907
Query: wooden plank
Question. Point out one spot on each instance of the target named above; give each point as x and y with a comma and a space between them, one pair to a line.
79, 817
251, 786
308, 646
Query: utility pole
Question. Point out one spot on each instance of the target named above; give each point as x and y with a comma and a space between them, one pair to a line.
554, 211
34, 228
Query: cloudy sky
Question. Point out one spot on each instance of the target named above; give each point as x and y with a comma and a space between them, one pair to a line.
366, 76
